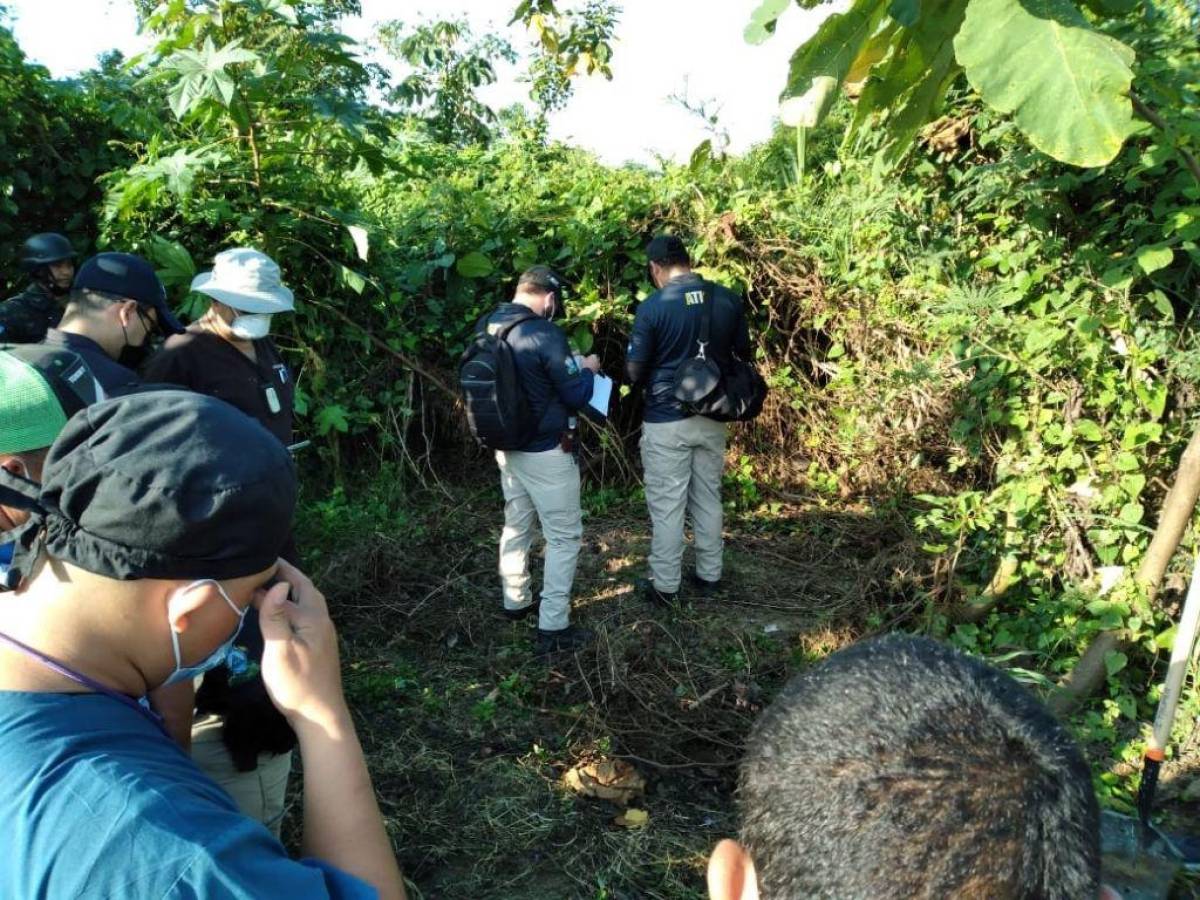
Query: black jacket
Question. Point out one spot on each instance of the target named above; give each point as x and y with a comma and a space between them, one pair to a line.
555, 384
666, 331
25, 318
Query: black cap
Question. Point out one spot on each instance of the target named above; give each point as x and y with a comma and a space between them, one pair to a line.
161, 484
44, 249
543, 278
127, 275
667, 248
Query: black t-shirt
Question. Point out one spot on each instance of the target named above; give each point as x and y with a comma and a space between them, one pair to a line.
666, 331
202, 362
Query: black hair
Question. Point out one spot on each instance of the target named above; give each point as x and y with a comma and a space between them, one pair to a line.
901, 768
541, 280
93, 300
668, 250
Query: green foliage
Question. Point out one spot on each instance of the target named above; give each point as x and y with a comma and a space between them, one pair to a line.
1064, 79
54, 142
1065, 84
448, 66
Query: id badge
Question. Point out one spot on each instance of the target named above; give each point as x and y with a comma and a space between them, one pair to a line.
273, 403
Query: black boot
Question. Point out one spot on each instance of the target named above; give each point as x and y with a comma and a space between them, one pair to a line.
653, 595
516, 615
705, 588
566, 639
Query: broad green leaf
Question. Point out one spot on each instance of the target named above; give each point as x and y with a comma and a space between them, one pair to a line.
172, 261
873, 51
1066, 84
830, 52
1110, 8
1126, 462
332, 418
1131, 513
762, 20
203, 76
1153, 257
911, 83
351, 279
1165, 640
1088, 430
474, 265
582, 338
1041, 337
810, 108
906, 12
1115, 661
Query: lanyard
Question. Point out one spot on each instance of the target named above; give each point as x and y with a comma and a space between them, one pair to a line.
79, 678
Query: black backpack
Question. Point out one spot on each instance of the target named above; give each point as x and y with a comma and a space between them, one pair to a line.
498, 411
704, 389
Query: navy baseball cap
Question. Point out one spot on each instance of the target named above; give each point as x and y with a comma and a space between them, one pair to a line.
128, 275
666, 247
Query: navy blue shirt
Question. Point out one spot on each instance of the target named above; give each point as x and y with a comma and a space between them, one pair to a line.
666, 332
113, 377
555, 385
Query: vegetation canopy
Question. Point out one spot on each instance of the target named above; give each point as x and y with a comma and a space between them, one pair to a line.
970, 256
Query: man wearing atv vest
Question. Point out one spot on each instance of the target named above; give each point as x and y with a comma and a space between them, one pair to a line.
683, 455
542, 478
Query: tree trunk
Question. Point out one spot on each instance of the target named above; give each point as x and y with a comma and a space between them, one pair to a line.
1090, 672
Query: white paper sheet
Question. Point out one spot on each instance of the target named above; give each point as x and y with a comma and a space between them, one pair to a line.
602, 388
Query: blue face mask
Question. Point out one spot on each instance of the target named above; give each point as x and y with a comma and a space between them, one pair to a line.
215, 658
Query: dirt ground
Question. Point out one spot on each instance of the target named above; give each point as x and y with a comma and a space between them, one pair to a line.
469, 737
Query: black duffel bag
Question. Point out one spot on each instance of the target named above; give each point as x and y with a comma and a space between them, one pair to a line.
736, 394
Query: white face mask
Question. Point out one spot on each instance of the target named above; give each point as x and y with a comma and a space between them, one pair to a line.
251, 327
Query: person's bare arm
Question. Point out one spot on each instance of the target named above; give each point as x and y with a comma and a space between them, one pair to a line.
176, 703
342, 823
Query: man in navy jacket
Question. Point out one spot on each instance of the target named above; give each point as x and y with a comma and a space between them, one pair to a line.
542, 478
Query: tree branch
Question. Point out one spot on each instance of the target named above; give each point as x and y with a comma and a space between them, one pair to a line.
1140, 107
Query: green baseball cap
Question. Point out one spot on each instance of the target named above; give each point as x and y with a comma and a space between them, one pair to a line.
33, 410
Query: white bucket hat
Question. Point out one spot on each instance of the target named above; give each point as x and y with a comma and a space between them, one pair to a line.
246, 280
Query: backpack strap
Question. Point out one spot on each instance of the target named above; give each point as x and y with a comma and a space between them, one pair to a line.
705, 324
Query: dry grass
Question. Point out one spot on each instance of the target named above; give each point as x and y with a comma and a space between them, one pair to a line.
467, 734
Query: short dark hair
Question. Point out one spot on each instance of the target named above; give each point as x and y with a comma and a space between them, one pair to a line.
541, 280
92, 300
900, 767
668, 250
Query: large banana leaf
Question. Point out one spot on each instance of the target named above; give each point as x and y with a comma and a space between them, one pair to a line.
910, 85
1066, 85
820, 65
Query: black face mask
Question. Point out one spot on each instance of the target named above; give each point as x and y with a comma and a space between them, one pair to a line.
131, 356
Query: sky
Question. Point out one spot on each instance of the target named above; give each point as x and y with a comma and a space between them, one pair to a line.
662, 48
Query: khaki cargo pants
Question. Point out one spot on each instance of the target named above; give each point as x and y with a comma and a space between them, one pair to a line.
259, 794
544, 485
682, 463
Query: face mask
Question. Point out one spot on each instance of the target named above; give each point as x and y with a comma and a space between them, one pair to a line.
215, 658
251, 327
132, 357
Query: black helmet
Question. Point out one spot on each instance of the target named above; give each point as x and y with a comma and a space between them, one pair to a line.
44, 249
